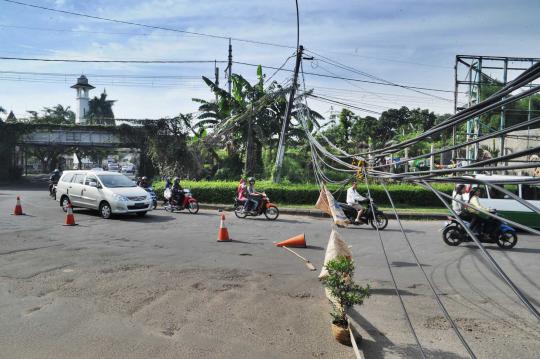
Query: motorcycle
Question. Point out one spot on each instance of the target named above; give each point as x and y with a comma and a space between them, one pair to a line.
153, 195
265, 207
189, 202
492, 231
379, 222
52, 189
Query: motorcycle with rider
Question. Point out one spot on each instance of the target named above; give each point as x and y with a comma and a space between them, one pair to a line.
249, 202
361, 209
486, 228
53, 182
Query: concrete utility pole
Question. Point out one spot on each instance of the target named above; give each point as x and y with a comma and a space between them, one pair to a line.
286, 120
229, 67
216, 73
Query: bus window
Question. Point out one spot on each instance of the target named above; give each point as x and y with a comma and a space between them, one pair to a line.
530, 192
496, 194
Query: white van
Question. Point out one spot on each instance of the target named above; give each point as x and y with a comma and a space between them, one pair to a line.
505, 205
108, 192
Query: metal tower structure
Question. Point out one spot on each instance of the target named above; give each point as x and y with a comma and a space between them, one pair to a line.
477, 77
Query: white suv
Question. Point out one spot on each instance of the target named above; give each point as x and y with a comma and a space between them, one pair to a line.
108, 192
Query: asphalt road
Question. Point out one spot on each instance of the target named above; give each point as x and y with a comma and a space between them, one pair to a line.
162, 287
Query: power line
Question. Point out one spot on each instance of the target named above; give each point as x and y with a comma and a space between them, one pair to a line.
78, 31
363, 73
343, 104
211, 61
59, 74
113, 61
223, 37
351, 79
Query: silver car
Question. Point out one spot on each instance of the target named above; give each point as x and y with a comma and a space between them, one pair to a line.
108, 192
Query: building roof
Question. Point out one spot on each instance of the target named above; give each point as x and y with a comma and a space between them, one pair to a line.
82, 82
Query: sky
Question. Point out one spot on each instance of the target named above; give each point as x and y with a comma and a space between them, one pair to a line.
410, 42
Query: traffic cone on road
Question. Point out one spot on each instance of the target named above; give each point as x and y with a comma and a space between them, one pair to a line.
18, 208
70, 219
223, 234
298, 241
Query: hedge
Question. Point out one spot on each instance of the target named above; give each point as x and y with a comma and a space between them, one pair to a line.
224, 192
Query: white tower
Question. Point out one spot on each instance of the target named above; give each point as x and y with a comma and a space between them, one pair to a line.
83, 87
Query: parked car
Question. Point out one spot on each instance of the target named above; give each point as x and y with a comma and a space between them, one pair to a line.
108, 192
113, 167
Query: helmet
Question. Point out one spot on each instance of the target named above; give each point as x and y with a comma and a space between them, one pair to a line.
176, 180
144, 178
251, 180
56, 170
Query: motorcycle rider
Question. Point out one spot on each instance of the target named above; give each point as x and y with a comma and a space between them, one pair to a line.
478, 218
241, 190
459, 207
177, 192
252, 196
144, 182
53, 179
354, 199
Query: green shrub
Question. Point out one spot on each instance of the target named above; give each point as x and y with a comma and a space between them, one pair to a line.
225, 191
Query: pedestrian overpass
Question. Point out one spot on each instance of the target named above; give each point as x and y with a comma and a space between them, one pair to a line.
76, 136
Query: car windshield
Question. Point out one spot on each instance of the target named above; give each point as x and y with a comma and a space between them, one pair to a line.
115, 181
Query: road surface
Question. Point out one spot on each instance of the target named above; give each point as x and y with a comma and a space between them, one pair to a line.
162, 287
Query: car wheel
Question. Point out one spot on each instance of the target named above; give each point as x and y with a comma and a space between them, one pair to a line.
105, 210
141, 214
64, 203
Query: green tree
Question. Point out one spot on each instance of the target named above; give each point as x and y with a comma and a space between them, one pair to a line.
57, 115
100, 110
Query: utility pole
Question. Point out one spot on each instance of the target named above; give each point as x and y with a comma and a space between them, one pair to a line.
229, 67
290, 104
216, 72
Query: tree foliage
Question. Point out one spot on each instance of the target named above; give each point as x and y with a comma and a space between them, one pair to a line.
100, 110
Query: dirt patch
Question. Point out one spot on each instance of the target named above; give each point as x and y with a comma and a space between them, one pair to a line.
465, 324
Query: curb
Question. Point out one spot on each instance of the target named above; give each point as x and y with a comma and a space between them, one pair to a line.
318, 214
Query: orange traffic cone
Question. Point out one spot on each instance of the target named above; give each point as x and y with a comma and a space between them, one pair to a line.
223, 234
70, 219
296, 241
18, 208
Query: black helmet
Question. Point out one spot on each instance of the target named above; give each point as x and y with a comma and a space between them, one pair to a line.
176, 180
56, 170
251, 180
144, 178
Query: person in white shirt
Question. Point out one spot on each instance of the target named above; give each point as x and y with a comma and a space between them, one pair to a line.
354, 199
458, 206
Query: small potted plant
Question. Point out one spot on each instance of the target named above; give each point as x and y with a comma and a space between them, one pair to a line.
345, 294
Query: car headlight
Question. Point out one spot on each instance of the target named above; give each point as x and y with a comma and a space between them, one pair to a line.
120, 198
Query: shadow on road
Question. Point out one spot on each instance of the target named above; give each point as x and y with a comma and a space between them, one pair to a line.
407, 264
366, 227
379, 346
390, 291
496, 248
149, 218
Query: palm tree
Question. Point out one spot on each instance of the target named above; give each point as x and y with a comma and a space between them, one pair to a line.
263, 108
100, 110
2, 110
